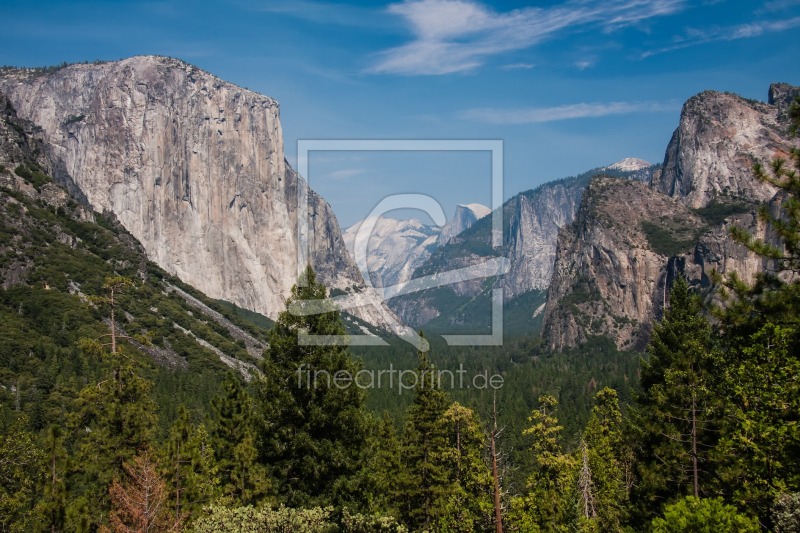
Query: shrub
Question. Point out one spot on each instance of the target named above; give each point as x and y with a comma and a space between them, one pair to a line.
703, 515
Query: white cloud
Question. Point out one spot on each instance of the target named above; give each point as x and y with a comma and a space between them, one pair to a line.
532, 115
518, 66
694, 37
345, 173
583, 64
461, 35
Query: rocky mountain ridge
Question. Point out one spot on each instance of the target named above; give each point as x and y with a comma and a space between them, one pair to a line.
615, 264
531, 222
397, 247
194, 168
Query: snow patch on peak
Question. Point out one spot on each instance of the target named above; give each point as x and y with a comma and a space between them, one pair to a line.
630, 164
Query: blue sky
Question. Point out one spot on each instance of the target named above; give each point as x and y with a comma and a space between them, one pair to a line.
568, 85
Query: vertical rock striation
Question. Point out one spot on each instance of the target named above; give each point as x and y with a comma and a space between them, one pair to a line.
193, 167
615, 264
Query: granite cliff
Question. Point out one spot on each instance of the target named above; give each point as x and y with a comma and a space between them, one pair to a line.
615, 264
194, 168
531, 222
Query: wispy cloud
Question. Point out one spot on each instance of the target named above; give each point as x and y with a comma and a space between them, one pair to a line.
694, 36
345, 173
532, 115
518, 66
777, 5
320, 12
452, 36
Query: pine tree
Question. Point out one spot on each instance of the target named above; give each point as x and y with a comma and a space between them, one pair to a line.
115, 420
139, 503
467, 505
677, 410
190, 467
243, 478
760, 330
603, 457
314, 427
758, 450
52, 507
703, 515
21, 467
376, 485
549, 502
424, 480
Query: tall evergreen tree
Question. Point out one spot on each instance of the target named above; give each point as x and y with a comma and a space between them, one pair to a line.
189, 466
760, 326
424, 478
52, 506
603, 459
377, 488
115, 420
314, 427
549, 504
243, 478
467, 505
676, 415
21, 467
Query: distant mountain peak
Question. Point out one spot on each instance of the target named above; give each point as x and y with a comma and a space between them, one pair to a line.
629, 164
479, 210
464, 217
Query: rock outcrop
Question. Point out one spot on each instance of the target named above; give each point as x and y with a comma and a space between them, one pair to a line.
615, 264
395, 249
194, 168
465, 216
608, 274
531, 222
719, 137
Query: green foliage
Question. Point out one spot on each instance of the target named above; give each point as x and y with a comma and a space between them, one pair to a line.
190, 467
21, 468
669, 239
608, 461
703, 515
33, 175
51, 509
72, 119
362, 523
676, 418
423, 478
116, 418
265, 520
314, 429
243, 479
549, 503
758, 448
467, 505
716, 212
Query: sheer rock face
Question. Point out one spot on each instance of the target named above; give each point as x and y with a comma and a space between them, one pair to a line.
193, 167
613, 273
607, 278
531, 221
464, 217
533, 225
720, 136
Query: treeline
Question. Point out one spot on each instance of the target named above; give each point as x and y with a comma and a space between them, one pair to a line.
710, 442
